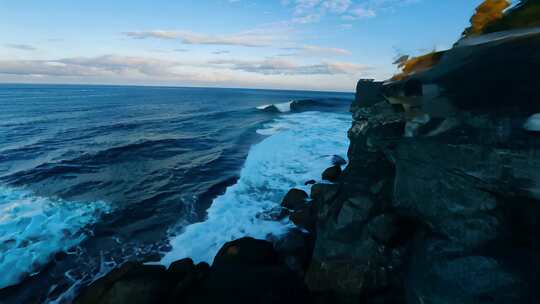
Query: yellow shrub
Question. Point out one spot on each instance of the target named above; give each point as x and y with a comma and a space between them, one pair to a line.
486, 13
417, 64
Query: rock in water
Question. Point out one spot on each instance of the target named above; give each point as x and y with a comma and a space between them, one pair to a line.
131, 283
338, 161
332, 174
295, 200
246, 251
310, 182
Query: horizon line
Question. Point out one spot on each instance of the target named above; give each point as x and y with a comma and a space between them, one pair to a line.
173, 86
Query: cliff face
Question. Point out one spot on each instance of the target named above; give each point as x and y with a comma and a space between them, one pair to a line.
440, 200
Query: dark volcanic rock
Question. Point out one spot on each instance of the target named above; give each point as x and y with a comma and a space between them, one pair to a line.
440, 200
368, 92
338, 160
304, 218
249, 271
355, 210
131, 283
332, 174
310, 182
295, 249
181, 268
246, 251
295, 199
469, 279
383, 228
244, 271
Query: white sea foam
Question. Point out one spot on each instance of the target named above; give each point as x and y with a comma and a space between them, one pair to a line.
281, 107
300, 148
533, 123
33, 229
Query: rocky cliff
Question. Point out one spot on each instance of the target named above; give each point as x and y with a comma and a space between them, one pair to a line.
439, 201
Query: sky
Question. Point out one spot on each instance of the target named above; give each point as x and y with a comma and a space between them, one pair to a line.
324, 45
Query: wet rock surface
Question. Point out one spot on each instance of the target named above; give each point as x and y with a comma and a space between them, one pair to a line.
244, 271
332, 174
295, 200
437, 202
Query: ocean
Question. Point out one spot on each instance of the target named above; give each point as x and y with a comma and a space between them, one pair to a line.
93, 176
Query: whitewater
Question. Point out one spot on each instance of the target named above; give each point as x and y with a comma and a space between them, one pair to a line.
299, 147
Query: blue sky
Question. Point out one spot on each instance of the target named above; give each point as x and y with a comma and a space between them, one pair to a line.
287, 44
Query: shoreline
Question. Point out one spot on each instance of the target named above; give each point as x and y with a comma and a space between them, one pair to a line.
438, 202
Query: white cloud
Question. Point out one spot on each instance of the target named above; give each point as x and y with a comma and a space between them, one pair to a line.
313, 18
114, 69
255, 38
22, 47
285, 67
359, 13
311, 11
142, 67
108, 65
313, 50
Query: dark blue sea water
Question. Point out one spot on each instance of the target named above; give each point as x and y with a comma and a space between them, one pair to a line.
92, 176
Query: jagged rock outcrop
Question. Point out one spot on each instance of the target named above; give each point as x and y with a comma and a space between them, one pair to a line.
244, 271
440, 200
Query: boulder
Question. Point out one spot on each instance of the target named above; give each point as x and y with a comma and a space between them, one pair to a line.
130, 283
181, 268
248, 271
295, 199
332, 174
246, 251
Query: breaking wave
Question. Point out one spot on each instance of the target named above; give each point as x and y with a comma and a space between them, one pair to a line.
299, 147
